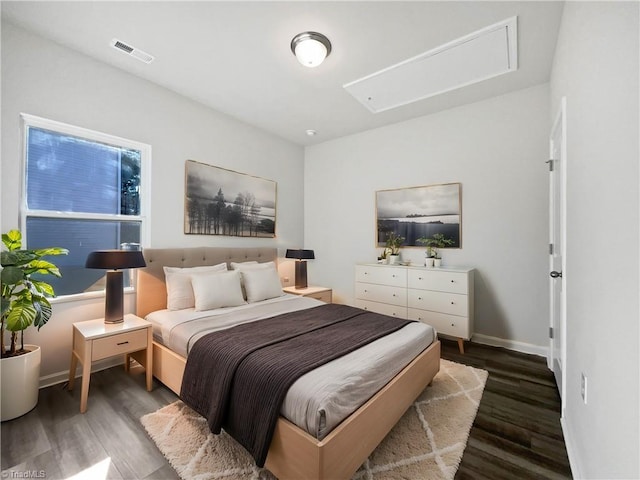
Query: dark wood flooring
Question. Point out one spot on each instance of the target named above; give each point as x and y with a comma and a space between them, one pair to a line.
516, 434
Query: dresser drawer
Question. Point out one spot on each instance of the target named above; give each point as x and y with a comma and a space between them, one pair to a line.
383, 308
444, 324
394, 276
440, 280
452, 303
119, 344
381, 293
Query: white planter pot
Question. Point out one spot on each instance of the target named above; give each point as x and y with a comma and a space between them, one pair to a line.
437, 262
393, 259
20, 381
428, 262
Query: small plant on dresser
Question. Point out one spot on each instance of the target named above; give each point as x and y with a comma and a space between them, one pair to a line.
433, 244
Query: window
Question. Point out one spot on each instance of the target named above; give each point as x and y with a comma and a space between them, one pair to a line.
84, 191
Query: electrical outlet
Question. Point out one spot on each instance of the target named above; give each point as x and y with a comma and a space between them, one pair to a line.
583, 388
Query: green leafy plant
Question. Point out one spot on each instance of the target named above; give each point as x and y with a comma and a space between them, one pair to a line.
393, 243
433, 243
24, 299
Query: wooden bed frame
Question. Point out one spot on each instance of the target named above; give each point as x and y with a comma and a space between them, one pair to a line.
293, 454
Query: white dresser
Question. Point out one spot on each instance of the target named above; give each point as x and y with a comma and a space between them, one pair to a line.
441, 297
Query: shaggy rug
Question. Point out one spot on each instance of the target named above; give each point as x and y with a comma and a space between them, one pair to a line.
427, 442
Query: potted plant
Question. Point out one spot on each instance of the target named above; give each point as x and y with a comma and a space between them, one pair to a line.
433, 244
393, 246
24, 303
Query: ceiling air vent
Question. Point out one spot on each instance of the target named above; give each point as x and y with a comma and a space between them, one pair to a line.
133, 51
481, 55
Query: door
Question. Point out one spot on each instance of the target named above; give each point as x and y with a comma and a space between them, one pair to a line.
557, 238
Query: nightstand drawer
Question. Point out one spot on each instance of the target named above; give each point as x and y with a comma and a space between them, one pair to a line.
323, 296
119, 344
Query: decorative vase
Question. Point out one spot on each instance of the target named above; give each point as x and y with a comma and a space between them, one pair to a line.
428, 262
20, 382
393, 259
437, 262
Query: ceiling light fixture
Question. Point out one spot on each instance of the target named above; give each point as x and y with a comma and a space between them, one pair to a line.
310, 48
311, 132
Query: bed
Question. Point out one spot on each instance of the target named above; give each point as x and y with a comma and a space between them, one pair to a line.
293, 453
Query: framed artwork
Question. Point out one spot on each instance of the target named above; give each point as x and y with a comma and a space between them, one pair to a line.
223, 202
420, 212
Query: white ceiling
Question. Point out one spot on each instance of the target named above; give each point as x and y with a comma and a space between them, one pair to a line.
235, 56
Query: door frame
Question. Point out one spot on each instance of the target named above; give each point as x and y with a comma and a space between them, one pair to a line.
560, 122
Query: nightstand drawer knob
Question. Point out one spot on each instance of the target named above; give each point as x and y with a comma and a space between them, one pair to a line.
123, 343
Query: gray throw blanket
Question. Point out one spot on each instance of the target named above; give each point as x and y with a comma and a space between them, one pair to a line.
237, 378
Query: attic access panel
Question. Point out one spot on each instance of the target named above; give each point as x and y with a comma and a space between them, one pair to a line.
481, 55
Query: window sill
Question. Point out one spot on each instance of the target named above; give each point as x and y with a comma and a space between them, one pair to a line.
78, 297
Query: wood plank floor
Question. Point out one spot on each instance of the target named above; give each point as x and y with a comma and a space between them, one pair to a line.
516, 434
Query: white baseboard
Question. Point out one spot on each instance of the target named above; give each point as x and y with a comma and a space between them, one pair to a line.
61, 377
571, 449
511, 345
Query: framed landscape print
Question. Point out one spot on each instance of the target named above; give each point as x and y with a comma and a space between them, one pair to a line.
420, 212
223, 202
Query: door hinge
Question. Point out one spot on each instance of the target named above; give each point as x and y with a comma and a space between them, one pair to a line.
551, 249
550, 332
550, 162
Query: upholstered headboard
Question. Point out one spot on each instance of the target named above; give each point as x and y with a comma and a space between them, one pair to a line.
151, 289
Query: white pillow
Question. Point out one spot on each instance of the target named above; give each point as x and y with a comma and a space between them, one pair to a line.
216, 290
252, 266
240, 266
178, 282
262, 283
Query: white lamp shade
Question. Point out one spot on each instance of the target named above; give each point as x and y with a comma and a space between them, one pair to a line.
310, 52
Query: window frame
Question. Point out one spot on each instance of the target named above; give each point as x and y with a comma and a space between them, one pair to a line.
143, 218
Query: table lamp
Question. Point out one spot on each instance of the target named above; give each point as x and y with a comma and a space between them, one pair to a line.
114, 261
301, 265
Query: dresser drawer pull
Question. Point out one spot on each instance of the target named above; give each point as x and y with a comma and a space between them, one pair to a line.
393, 276
394, 295
419, 298
453, 324
453, 281
419, 278
452, 303
123, 343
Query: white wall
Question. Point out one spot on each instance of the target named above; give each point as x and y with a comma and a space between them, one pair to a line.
45, 79
596, 68
496, 149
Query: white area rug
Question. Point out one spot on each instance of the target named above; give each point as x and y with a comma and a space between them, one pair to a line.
427, 442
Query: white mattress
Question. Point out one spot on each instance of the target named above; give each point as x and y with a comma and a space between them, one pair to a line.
319, 400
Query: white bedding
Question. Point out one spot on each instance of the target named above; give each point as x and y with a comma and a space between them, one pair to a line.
321, 399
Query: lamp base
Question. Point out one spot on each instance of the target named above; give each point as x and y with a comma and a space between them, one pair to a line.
301, 274
113, 308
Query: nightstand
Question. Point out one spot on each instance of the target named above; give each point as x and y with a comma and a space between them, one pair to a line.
95, 340
320, 293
